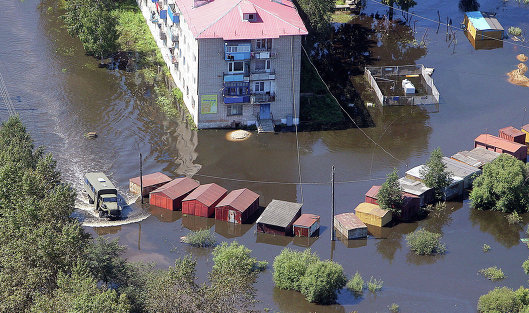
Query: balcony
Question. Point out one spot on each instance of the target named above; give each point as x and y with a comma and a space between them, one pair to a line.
262, 97
236, 77
172, 13
262, 75
264, 55
237, 52
236, 99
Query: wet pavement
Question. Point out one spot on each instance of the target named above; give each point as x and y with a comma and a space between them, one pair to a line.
61, 95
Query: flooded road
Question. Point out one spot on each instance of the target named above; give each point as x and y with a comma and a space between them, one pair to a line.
61, 94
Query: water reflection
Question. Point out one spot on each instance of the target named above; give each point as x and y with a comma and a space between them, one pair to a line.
281, 241
164, 215
394, 240
231, 230
495, 223
305, 242
101, 231
196, 223
352, 243
293, 301
415, 259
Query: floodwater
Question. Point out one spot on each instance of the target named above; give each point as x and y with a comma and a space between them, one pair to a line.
61, 94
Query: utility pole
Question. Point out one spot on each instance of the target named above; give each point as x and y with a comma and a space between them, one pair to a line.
332, 195
141, 178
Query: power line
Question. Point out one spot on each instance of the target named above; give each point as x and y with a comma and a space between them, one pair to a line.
287, 183
295, 114
347, 113
445, 24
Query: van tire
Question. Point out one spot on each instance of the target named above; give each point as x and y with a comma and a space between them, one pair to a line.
90, 201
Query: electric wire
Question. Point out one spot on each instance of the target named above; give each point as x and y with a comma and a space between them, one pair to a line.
287, 183
445, 24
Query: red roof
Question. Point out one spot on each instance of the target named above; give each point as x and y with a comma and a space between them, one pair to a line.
306, 220
223, 19
498, 142
349, 221
206, 194
373, 192
240, 199
151, 179
178, 187
526, 127
511, 131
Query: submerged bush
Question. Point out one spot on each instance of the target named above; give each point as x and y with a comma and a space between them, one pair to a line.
493, 273
423, 242
394, 308
356, 284
525, 266
515, 31
485, 248
290, 266
514, 218
202, 238
500, 300
322, 281
374, 284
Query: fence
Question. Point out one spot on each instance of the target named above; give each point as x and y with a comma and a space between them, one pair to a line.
388, 71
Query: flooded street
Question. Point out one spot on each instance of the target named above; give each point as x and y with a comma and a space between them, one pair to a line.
61, 94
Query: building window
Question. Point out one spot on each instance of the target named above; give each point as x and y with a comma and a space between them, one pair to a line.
193, 102
187, 91
263, 44
259, 87
235, 49
234, 109
250, 17
236, 67
262, 65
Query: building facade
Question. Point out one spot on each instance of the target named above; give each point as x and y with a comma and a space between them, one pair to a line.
237, 62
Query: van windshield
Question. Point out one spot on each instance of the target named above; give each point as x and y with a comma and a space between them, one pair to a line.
110, 199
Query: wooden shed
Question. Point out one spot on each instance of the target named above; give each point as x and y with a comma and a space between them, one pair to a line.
278, 217
170, 195
500, 145
350, 226
307, 225
476, 157
203, 200
462, 171
483, 30
372, 195
426, 195
238, 206
512, 134
150, 182
372, 214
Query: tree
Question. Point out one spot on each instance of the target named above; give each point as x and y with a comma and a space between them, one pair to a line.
435, 175
322, 281
423, 242
318, 13
390, 193
502, 186
290, 266
93, 23
405, 5
502, 300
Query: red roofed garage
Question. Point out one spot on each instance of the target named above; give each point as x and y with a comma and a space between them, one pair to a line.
170, 195
203, 200
238, 206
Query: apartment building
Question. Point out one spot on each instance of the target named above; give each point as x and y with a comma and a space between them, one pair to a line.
237, 62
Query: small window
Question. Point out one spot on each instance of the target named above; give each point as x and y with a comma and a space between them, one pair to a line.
259, 87
262, 65
236, 67
234, 109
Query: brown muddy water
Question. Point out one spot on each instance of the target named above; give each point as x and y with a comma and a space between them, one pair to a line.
61, 94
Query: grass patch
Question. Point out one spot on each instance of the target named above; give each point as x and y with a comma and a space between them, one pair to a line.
423, 242
202, 238
485, 248
492, 273
374, 284
356, 284
341, 17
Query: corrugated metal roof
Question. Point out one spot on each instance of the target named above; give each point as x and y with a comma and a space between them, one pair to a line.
526, 127
416, 172
372, 209
349, 221
279, 213
373, 192
499, 142
151, 179
412, 186
511, 131
493, 22
459, 169
222, 19
476, 157
206, 194
478, 20
239, 199
247, 7
306, 220
178, 187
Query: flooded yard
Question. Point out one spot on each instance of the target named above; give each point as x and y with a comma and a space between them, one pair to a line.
63, 95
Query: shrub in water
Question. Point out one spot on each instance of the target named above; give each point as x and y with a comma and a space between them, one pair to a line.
201, 238
485, 248
525, 266
356, 284
515, 31
374, 284
394, 308
322, 281
500, 300
423, 242
493, 273
514, 218
290, 266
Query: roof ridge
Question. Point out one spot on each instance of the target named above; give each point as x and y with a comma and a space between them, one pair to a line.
221, 17
274, 15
